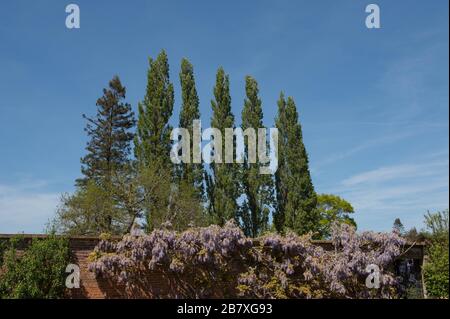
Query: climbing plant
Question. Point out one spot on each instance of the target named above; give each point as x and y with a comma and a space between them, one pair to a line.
207, 261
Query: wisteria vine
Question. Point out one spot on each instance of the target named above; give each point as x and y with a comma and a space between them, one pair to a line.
221, 262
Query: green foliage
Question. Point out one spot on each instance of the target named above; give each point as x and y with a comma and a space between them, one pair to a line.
152, 143
412, 235
3, 248
38, 273
115, 191
437, 225
222, 184
296, 198
109, 147
333, 208
88, 211
98, 205
95, 209
190, 173
181, 209
258, 188
436, 269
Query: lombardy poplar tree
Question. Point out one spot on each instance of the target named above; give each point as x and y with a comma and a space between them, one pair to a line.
108, 149
152, 142
257, 188
223, 183
190, 173
296, 198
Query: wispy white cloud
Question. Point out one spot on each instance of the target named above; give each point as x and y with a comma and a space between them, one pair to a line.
26, 206
384, 174
413, 83
375, 142
404, 190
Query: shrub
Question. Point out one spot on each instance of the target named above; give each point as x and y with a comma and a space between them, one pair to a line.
436, 269
38, 272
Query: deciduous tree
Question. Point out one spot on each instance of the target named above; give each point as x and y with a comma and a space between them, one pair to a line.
190, 173
257, 188
222, 183
333, 209
152, 142
296, 198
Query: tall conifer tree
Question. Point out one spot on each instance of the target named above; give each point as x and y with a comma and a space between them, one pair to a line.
108, 149
296, 198
97, 206
256, 187
222, 184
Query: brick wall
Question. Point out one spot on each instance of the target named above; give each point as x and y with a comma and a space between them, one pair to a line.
100, 288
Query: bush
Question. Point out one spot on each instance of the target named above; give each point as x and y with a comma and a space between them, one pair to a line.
39, 272
436, 269
3, 247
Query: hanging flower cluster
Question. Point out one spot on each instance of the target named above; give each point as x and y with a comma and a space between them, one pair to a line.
221, 262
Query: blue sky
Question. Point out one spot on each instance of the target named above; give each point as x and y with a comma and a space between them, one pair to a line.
373, 103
